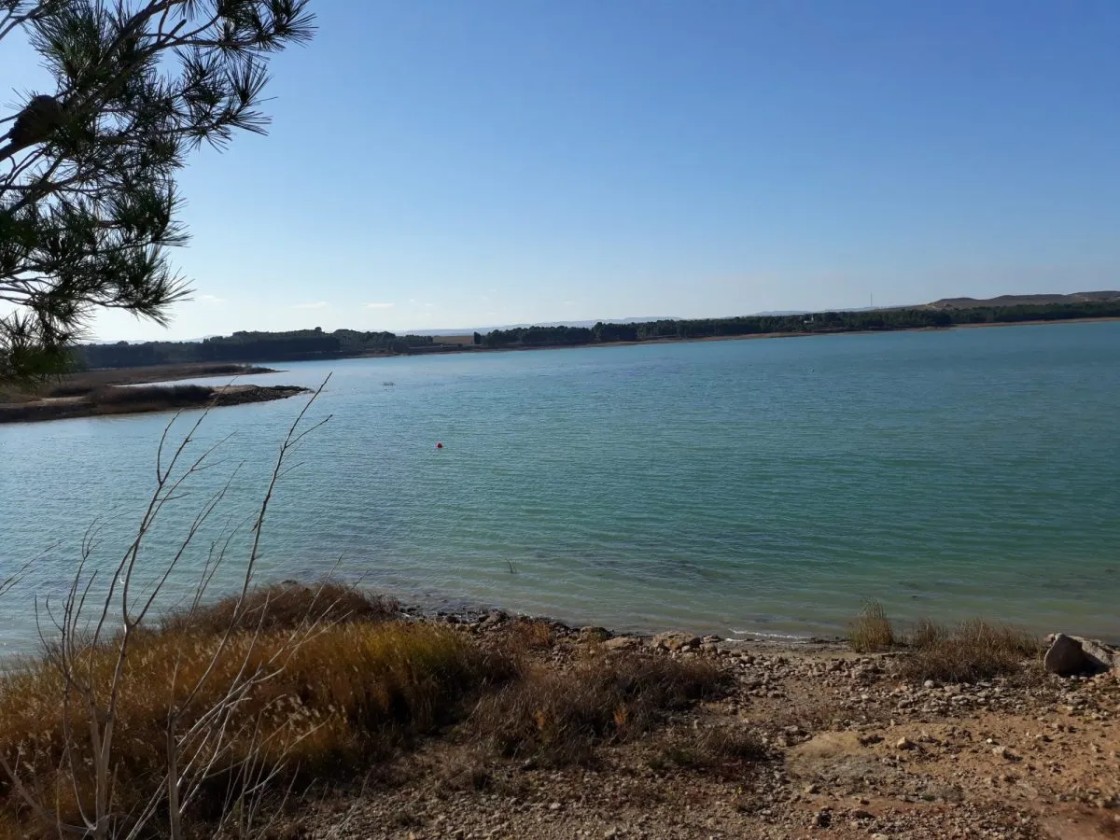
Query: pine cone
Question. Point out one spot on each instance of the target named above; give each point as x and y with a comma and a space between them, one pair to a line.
42, 115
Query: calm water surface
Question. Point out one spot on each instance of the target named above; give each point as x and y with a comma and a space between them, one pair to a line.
732, 487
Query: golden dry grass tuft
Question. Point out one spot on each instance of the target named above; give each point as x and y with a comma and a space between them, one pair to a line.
871, 631
347, 695
973, 650
284, 606
557, 718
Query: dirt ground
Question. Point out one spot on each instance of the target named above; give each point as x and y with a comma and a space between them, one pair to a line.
851, 751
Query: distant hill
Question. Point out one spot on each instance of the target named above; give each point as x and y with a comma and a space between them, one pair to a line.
1024, 300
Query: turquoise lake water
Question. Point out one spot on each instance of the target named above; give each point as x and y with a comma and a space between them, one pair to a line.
762, 486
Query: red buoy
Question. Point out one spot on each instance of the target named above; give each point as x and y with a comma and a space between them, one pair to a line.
439, 446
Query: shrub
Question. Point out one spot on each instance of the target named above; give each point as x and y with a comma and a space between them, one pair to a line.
345, 695
169, 395
728, 751
284, 606
871, 631
927, 633
558, 718
974, 650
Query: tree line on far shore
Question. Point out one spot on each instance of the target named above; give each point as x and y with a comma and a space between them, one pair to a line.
799, 323
317, 344
248, 347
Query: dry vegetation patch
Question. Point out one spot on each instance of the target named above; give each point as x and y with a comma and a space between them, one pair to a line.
871, 631
557, 717
322, 700
973, 650
729, 751
284, 606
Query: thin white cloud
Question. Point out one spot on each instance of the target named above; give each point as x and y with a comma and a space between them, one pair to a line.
210, 299
318, 304
380, 305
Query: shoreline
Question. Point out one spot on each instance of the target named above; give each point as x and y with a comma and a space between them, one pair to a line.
118, 401
138, 390
436, 604
162, 373
489, 725
761, 336
457, 349
452, 611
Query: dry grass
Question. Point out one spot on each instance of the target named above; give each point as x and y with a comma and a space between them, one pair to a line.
927, 633
871, 632
557, 718
974, 650
349, 694
526, 636
285, 606
467, 768
727, 751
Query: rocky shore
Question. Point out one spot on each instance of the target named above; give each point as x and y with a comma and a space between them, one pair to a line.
845, 747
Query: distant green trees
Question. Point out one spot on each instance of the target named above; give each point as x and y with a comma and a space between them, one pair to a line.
807, 323
317, 344
248, 347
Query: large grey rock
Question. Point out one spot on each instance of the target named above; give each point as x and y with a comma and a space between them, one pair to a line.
1069, 655
1104, 657
1065, 656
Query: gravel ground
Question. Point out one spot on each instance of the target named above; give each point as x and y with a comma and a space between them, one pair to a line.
851, 750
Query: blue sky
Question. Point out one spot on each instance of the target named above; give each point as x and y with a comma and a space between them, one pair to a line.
447, 164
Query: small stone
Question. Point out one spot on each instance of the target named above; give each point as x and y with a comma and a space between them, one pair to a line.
1005, 753
620, 643
673, 641
823, 819
555, 806
904, 744
929, 684
495, 618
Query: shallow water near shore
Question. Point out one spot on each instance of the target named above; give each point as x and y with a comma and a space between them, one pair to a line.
735, 487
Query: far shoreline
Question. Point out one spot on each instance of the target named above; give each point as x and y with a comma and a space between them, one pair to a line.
112, 392
759, 336
117, 401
